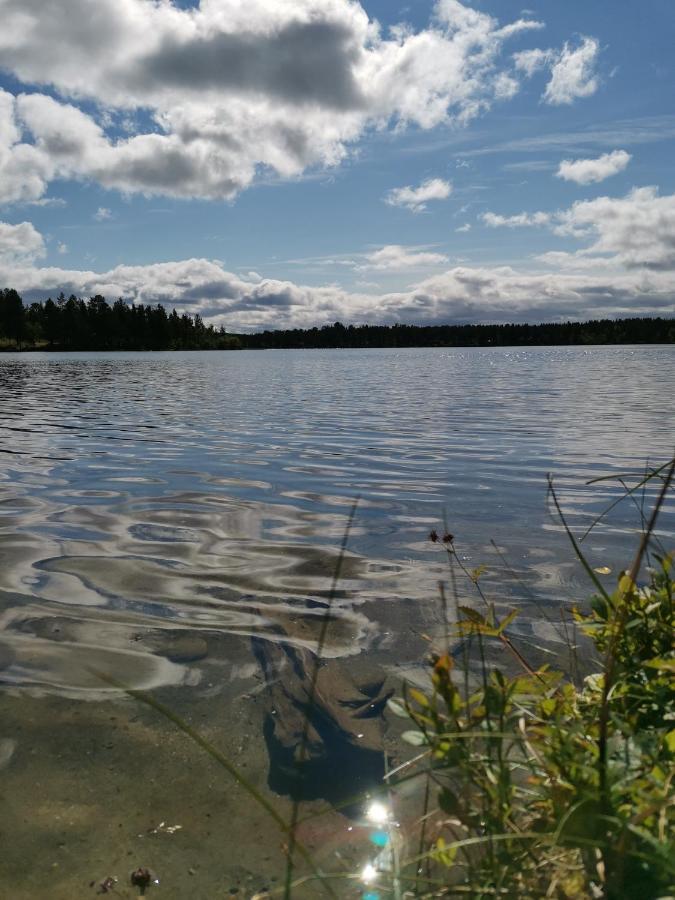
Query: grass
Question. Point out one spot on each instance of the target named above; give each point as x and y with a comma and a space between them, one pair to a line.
536, 783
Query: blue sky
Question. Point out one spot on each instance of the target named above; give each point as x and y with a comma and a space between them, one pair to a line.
266, 164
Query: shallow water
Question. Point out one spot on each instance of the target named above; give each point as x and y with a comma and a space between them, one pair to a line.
157, 511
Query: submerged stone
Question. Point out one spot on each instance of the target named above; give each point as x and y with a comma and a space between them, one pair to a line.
177, 647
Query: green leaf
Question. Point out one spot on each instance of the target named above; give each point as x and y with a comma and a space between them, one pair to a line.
664, 665
445, 854
475, 574
472, 615
504, 624
548, 706
494, 700
626, 584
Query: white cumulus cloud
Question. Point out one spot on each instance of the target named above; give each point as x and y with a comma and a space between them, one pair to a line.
226, 90
416, 198
572, 69
573, 73
24, 170
20, 244
394, 258
591, 171
638, 230
635, 231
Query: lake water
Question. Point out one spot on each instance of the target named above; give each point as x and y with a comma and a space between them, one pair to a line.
158, 512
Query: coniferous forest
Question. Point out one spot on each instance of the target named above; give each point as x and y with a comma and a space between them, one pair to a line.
75, 324
604, 331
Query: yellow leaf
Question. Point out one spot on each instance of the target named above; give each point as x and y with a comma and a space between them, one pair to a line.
443, 663
626, 584
418, 696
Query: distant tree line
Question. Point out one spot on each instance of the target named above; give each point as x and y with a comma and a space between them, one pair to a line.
603, 331
70, 323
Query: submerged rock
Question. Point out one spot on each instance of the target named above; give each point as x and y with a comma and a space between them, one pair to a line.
176, 646
328, 742
185, 649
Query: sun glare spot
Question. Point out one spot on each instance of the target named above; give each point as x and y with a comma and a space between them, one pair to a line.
377, 813
369, 874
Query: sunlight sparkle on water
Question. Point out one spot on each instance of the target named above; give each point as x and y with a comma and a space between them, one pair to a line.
369, 873
377, 813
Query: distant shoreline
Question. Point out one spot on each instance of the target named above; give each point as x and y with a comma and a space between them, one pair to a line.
596, 332
13, 351
73, 324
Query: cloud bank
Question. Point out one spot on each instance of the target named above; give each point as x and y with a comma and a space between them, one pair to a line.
626, 266
459, 294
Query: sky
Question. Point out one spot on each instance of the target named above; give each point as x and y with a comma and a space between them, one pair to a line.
292, 163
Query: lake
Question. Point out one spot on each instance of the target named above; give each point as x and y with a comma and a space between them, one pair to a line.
162, 515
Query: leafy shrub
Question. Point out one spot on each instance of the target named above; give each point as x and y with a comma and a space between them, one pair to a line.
548, 788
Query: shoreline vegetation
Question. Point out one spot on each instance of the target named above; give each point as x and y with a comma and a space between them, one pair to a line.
74, 324
536, 780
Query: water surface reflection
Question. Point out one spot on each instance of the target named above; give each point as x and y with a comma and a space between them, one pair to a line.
206, 493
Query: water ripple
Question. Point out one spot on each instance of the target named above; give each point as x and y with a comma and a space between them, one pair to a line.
153, 505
